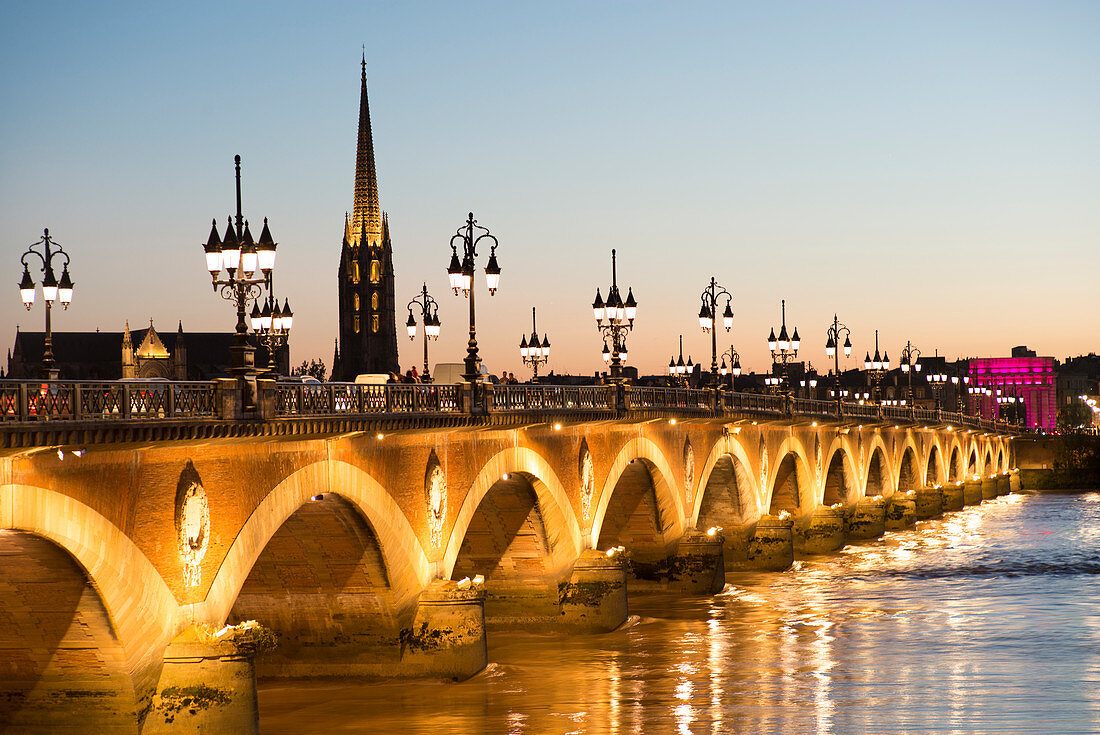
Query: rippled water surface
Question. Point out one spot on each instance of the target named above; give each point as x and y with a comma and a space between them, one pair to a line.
986, 621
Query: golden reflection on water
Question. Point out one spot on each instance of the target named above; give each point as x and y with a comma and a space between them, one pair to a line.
984, 621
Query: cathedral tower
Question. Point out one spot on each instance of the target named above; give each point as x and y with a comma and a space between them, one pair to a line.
368, 324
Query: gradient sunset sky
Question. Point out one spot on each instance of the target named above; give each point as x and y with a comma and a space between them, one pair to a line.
928, 169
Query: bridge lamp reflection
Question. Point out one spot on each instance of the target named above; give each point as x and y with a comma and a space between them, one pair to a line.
557, 427
672, 421
380, 436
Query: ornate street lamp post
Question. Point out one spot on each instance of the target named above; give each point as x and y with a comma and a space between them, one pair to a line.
52, 290
712, 297
832, 343
248, 265
960, 387
678, 369
534, 352
429, 314
1007, 404
877, 367
461, 277
784, 350
937, 382
272, 327
910, 363
614, 320
735, 366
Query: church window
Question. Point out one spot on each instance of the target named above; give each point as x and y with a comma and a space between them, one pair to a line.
375, 271
374, 322
374, 301
355, 298
355, 272
355, 324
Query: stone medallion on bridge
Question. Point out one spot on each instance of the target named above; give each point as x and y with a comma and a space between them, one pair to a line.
435, 493
192, 524
588, 481
689, 470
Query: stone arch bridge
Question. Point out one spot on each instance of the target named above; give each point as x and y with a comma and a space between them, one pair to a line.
381, 530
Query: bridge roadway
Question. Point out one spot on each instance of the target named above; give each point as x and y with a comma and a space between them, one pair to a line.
381, 530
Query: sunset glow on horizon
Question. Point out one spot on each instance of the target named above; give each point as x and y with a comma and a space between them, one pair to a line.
928, 171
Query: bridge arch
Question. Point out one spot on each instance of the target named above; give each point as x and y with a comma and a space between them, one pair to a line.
791, 485
1002, 465
644, 453
910, 475
560, 525
934, 470
987, 463
728, 494
138, 606
956, 467
406, 563
841, 480
879, 474
972, 467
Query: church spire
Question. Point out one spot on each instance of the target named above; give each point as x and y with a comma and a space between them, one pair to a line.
366, 220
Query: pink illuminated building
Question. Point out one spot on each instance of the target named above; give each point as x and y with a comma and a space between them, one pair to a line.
1029, 378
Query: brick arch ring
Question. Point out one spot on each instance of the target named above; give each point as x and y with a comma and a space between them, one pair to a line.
664, 485
406, 563
559, 519
746, 477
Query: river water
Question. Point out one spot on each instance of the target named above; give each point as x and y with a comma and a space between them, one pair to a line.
985, 621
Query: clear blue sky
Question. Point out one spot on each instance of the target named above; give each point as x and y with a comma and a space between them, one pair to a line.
928, 169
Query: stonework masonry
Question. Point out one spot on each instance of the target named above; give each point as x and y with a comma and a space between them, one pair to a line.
342, 547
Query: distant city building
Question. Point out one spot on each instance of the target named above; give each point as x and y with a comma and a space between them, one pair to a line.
1027, 376
113, 355
368, 324
1078, 376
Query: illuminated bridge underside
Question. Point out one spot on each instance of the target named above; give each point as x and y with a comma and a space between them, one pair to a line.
352, 546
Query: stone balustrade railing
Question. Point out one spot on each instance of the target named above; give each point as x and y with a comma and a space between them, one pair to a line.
147, 401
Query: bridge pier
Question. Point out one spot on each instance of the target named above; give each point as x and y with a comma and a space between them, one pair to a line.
928, 503
900, 512
972, 491
447, 637
866, 519
954, 497
772, 544
820, 533
1014, 482
594, 599
1003, 487
698, 567
208, 684
989, 488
